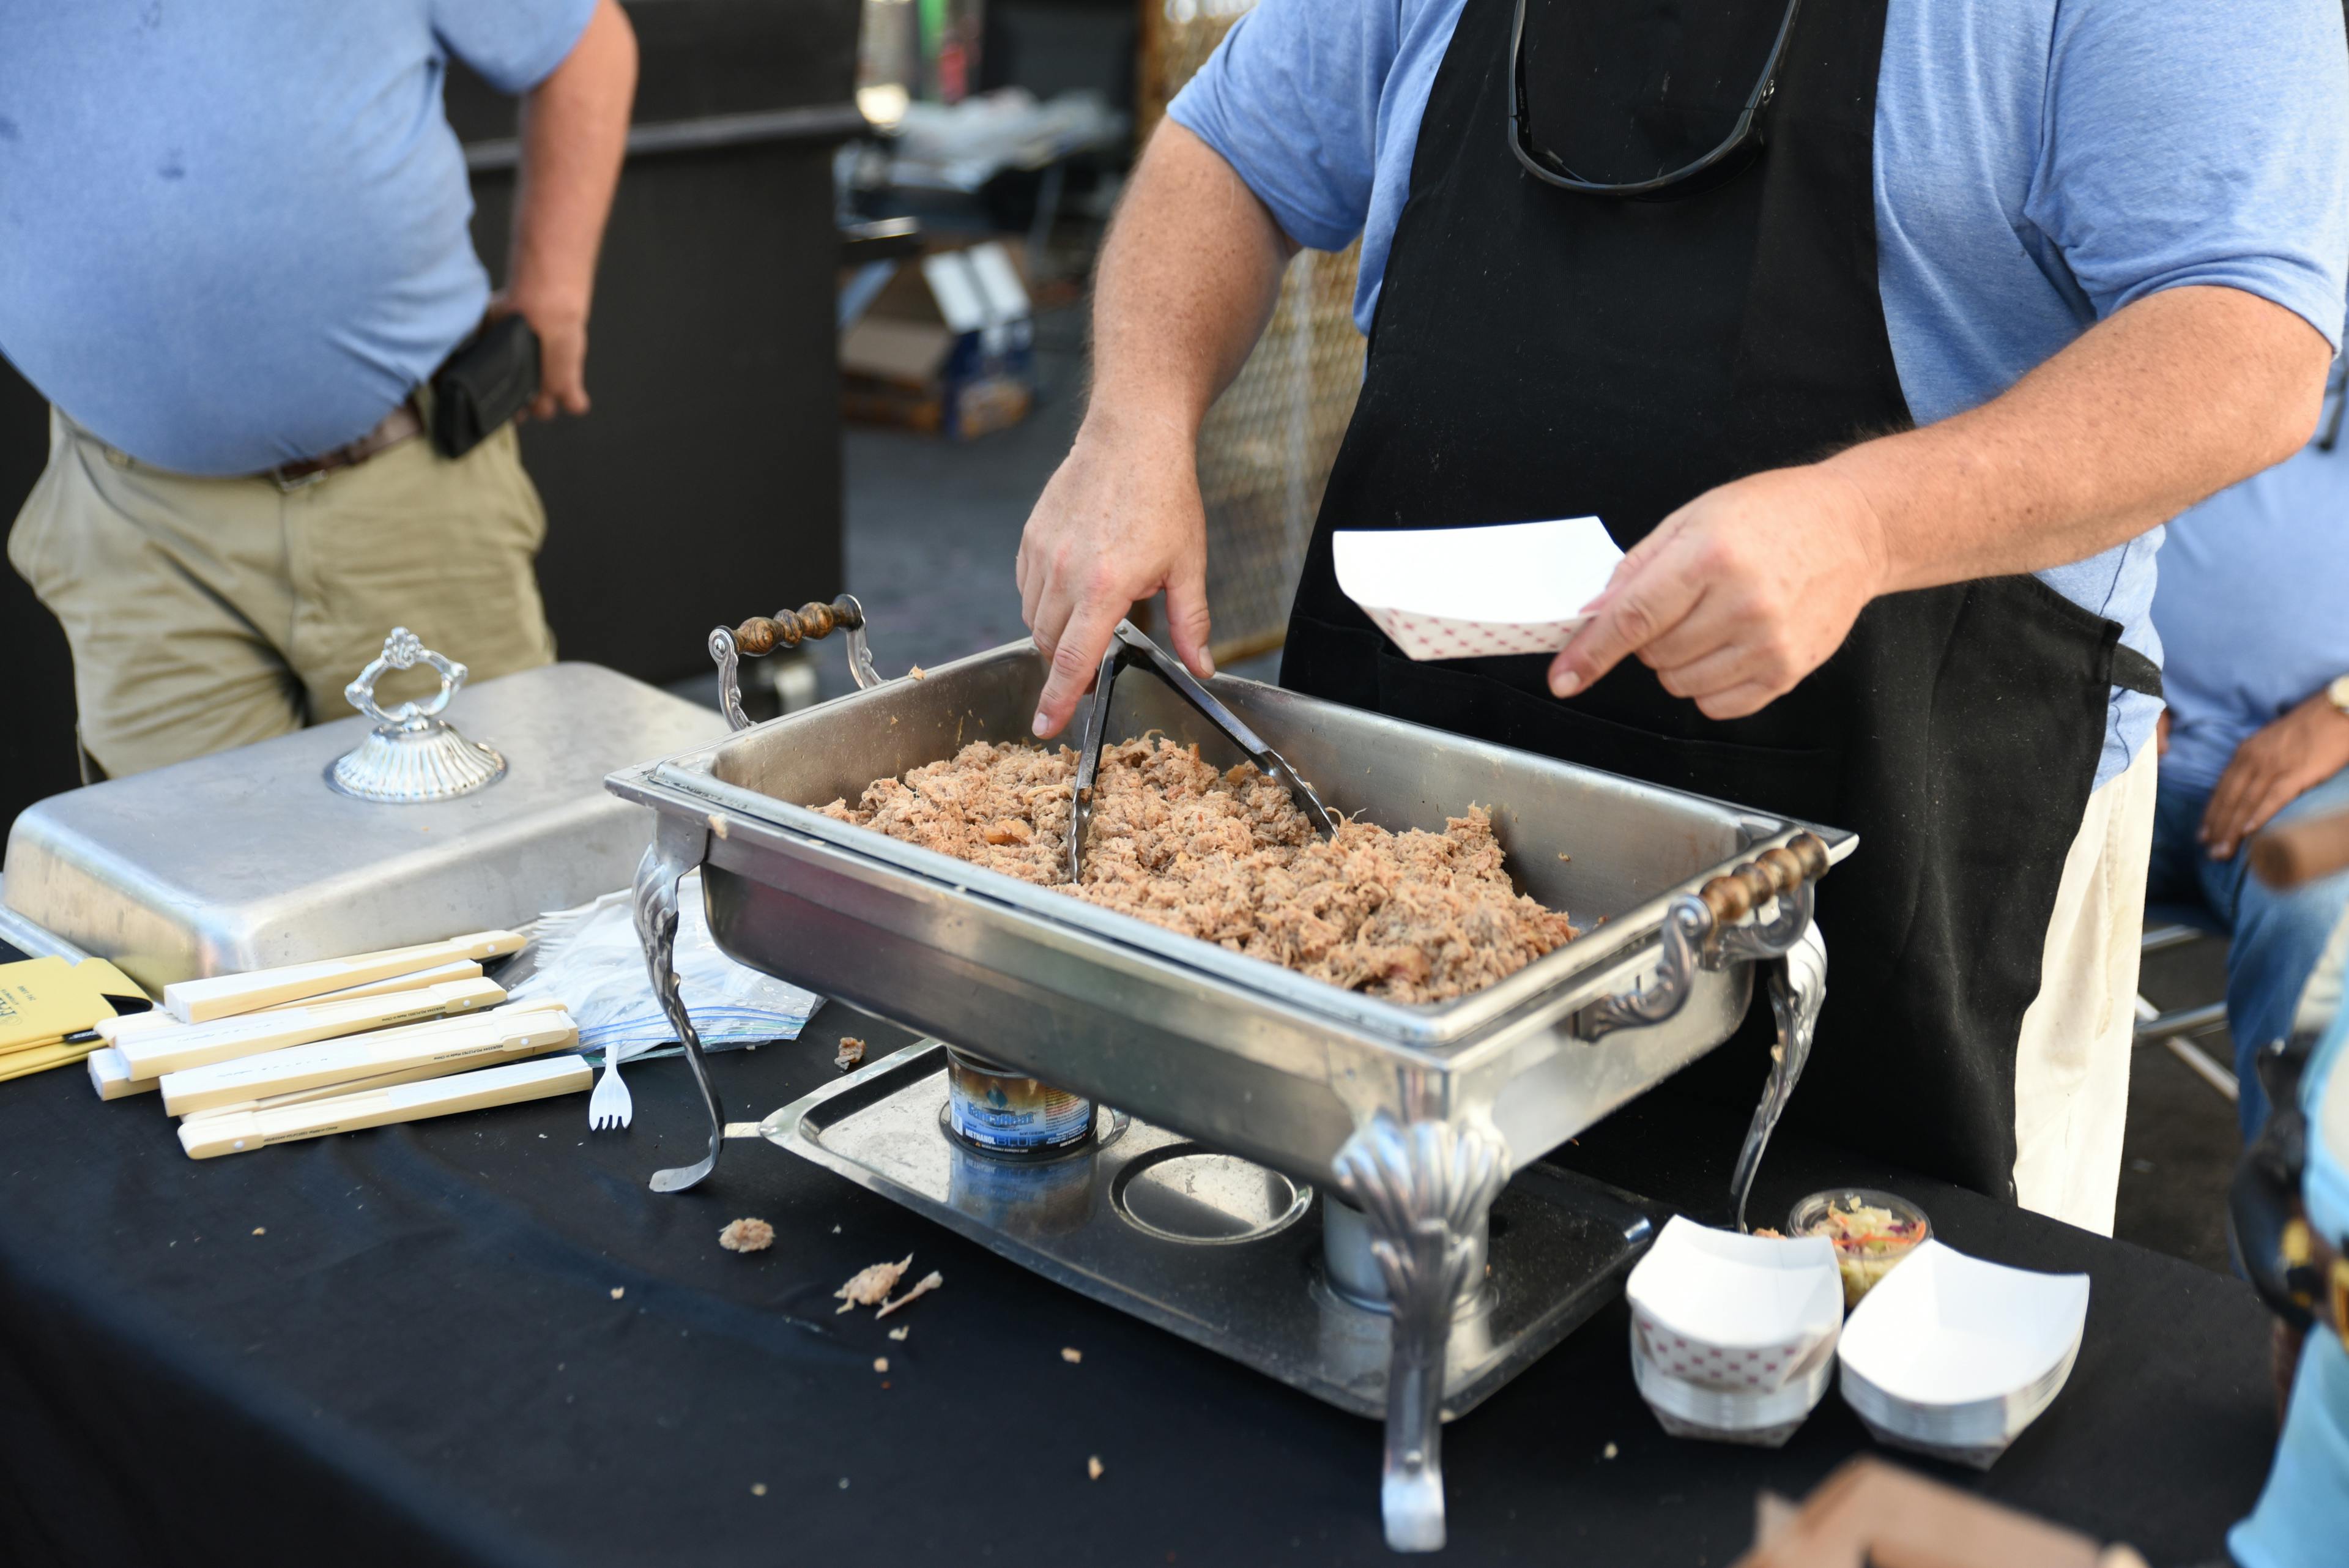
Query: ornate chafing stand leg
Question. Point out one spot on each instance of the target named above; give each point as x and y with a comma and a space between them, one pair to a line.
1425, 1189
676, 848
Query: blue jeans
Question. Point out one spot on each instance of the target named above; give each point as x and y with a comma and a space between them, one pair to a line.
2275, 938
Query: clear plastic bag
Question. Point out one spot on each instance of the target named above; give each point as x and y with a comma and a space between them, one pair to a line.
588, 960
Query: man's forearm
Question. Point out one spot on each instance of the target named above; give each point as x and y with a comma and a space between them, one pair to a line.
2172, 398
575, 130
1187, 279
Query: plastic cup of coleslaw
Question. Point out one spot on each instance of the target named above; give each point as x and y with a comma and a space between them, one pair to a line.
1871, 1232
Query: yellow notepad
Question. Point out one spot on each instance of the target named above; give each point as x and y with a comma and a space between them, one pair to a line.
46, 1001
41, 1058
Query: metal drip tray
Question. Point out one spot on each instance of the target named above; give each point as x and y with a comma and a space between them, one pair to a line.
1226, 1252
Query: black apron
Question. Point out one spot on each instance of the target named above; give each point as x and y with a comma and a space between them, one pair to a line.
1539, 353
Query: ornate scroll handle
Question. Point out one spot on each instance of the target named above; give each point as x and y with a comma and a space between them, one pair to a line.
403, 649
1425, 1189
760, 634
676, 848
1701, 931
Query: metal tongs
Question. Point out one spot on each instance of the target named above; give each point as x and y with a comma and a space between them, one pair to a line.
1129, 647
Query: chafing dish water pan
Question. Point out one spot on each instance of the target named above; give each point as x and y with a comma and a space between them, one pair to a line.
1414, 1115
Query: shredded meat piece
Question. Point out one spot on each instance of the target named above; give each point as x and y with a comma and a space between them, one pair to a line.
871, 1285
747, 1236
1229, 858
928, 1283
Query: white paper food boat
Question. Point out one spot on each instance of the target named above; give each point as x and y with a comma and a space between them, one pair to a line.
1954, 1356
1686, 1409
1736, 1313
1471, 592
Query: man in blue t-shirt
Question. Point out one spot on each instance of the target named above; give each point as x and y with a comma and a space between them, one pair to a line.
1884, 336
2253, 611
234, 255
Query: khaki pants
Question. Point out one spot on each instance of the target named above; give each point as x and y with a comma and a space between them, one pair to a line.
210, 613
2072, 1063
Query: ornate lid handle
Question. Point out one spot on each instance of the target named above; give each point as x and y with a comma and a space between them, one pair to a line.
403, 649
412, 754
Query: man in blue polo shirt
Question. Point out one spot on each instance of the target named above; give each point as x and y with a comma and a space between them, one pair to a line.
234, 252
2253, 612
1885, 337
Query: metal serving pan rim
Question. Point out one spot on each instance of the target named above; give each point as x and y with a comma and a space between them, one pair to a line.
1413, 1023
1417, 1024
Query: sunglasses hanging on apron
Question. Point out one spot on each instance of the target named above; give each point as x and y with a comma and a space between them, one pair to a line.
1638, 260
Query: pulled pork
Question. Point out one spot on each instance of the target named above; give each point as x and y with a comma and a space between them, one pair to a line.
1229, 858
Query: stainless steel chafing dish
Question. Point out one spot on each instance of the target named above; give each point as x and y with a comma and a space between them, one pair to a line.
1417, 1115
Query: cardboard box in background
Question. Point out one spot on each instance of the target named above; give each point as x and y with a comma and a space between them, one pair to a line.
946, 346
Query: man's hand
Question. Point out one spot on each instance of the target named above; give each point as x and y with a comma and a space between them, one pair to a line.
1187, 279
574, 129
1120, 520
1739, 594
561, 328
2272, 769
1748, 589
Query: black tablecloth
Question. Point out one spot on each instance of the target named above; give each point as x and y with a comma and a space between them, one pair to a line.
481, 1340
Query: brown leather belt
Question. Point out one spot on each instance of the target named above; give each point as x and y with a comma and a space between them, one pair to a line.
394, 428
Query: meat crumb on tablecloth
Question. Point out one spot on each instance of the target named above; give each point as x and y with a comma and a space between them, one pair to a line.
871, 1285
747, 1236
928, 1283
1229, 858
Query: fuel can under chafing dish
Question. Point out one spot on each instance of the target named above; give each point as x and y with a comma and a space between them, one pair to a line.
1006, 1112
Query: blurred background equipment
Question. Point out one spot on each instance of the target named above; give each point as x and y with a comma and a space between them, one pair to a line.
1033, 151
926, 49
1265, 450
946, 346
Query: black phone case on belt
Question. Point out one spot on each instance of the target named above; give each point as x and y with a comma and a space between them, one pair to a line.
489, 381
